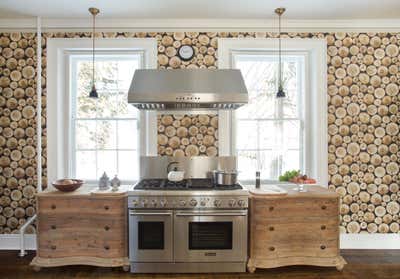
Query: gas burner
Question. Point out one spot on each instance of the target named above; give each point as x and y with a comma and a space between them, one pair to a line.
186, 184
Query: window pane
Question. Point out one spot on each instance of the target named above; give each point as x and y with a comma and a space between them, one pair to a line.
106, 134
268, 164
248, 134
85, 133
275, 135
291, 160
107, 162
127, 162
86, 165
259, 74
127, 134
125, 110
247, 164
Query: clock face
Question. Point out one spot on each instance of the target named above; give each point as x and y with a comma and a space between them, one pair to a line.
186, 52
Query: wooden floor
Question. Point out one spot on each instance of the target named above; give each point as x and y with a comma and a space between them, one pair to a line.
362, 264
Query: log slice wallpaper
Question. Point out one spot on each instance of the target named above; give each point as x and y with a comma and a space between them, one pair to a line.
363, 120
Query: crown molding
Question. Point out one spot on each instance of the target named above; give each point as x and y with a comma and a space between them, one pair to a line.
149, 25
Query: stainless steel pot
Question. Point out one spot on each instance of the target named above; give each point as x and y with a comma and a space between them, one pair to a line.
224, 177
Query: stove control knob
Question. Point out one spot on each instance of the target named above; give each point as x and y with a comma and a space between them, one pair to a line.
135, 203
231, 203
144, 202
182, 203
217, 203
241, 203
203, 202
163, 203
193, 202
154, 203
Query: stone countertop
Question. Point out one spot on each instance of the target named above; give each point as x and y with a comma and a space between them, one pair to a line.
84, 190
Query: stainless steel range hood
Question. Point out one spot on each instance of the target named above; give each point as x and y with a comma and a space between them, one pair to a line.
187, 89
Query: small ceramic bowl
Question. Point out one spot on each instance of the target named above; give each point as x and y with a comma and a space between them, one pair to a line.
67, 185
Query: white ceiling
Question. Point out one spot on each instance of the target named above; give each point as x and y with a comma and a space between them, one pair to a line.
204, 9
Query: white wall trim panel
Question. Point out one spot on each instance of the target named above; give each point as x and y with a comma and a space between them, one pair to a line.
168, 24
12, 242
370, 241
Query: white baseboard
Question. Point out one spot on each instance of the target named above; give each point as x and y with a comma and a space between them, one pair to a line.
11, 242
370, 241
347, 241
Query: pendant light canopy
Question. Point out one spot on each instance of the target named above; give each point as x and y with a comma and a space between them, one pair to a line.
93, 92
281, 92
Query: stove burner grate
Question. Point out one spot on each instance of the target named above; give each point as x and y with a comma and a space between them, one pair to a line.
187, 184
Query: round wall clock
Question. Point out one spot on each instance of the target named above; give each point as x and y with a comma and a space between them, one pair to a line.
186, 52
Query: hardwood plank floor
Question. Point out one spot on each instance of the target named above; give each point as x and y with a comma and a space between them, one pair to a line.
362, 264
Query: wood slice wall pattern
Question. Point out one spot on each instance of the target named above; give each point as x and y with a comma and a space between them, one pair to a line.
187, 135
363, 118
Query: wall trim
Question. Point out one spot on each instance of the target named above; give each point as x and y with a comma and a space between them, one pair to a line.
370, 241
268, 25
347, 241
12, 242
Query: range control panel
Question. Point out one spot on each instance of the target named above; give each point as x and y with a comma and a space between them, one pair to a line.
187, 202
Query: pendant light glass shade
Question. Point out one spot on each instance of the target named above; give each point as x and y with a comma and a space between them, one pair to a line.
93, 92
281, 92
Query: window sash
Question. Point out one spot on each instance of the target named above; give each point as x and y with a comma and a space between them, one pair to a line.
269, 56
74, 58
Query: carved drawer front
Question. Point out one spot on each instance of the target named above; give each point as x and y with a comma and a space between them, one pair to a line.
82, 246
81, 206
283, 231
273, 248
294, 208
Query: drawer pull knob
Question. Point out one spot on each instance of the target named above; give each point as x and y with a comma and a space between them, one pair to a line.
106, 228
53, 206
107, 247
53, 227
271, 228
53, 247
323, 247
323, 227
323, 207
106, 207
271, 208
272, 248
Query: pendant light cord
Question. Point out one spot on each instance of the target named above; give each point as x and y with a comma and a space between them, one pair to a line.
93, 51
280, 53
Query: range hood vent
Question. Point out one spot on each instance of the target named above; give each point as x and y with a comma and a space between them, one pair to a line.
187, 89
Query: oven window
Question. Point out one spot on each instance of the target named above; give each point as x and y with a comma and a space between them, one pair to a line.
151, 235
210, 235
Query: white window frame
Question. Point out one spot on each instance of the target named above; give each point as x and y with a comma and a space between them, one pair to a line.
315, 111
58, 100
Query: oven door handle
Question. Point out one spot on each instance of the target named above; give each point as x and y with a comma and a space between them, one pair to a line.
211, 214
132, 213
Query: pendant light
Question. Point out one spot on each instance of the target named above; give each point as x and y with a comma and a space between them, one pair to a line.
280, 93
93, 92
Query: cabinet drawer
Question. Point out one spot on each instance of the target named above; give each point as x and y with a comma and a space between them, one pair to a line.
271, 248
81, 206
294, 208
281, 231
81, 247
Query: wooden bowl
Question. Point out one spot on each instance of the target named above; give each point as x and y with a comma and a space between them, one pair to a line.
67, 185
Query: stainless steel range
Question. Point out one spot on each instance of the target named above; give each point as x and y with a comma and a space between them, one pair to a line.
187, 226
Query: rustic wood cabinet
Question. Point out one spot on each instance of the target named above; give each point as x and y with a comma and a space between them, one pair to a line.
82, 228
295, 229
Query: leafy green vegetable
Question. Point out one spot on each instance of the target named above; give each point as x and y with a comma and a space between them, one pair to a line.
289, 175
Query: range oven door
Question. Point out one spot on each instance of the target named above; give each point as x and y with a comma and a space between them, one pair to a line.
210, 236
150, 236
